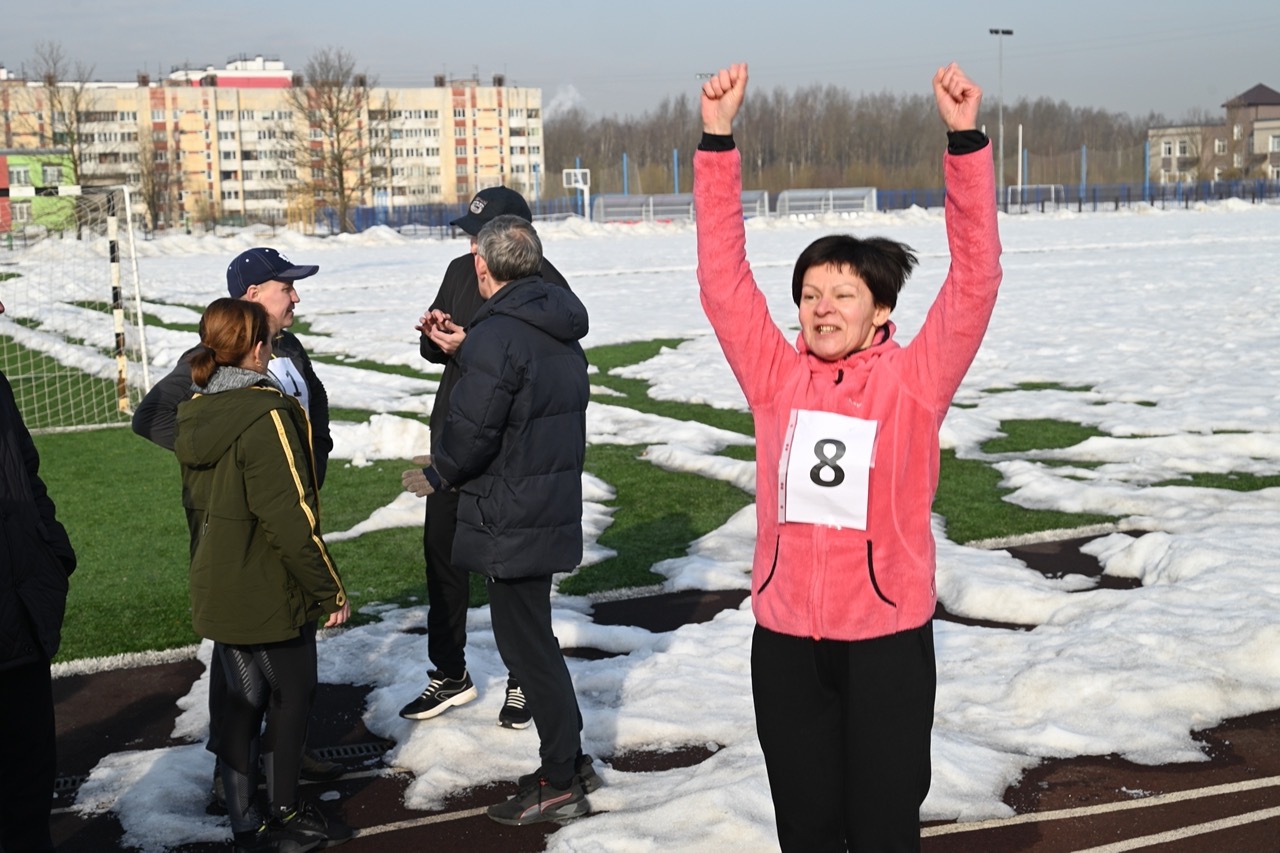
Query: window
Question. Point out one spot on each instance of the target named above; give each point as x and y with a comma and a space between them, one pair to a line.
1275, 142
1237, 132
1182, 148
462, 169
157, 115
1166, 148
460, 151
1219, 146
20, 211
226, 115
228, 155
160, 156
246, 115
1237, 160
230, 195
431, 114
459, 112
226, 135
52, 175
159, 136
460, 130
20, 177
431, 152
228, 176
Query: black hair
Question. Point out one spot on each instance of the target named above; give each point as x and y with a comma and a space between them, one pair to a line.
882, 263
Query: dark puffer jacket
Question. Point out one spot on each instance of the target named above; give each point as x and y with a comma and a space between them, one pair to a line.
515, 436
259, 568
35, 554
459, 297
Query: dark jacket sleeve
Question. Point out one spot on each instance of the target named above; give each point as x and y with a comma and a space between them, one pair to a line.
156, 418
283, 501
321, 437
459, 274
478, 408
36, 556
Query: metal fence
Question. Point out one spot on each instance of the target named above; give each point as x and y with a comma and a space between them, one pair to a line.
434, 219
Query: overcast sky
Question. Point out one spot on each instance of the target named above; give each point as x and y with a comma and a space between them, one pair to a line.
623, 59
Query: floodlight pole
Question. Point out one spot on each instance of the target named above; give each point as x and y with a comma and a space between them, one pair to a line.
1000, 34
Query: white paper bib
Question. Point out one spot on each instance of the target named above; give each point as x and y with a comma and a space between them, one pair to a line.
824, 473
291, 381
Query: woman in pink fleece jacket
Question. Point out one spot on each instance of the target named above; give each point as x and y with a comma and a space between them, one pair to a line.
846, 427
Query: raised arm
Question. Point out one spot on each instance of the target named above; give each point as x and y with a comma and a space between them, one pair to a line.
753, 344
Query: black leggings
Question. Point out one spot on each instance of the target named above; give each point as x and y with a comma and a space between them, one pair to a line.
278, 679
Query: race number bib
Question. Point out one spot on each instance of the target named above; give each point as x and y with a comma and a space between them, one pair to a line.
825, 469
291, 380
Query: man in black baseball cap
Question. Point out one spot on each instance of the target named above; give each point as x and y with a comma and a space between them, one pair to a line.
442, 330
489, 204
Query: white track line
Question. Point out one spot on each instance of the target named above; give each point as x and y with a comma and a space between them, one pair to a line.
1086, 811
1185, 832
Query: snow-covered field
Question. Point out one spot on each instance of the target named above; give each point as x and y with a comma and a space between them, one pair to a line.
1168, 318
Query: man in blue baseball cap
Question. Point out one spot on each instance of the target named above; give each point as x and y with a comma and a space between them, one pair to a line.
266, 276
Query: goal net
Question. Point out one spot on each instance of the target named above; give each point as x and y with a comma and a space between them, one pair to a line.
1049, 196
71, 337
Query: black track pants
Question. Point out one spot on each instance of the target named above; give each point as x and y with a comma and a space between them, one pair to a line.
27, 757
448, 587
521, 611
845, 729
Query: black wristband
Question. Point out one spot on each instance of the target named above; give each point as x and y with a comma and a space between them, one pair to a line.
433, 478
716, 142
966, 141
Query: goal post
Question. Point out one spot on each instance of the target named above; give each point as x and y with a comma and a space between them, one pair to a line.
1035, 195
580, 180
72, 338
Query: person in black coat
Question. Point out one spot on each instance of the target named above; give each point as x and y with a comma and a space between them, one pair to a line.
36, 558
512, 446
443, 328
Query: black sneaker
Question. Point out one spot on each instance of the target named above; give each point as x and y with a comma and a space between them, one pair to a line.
260, 841
304, 824
316, 769
441, 695
515, 710
586, 775
540, 802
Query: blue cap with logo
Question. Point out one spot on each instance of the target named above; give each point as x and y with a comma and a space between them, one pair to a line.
255, 266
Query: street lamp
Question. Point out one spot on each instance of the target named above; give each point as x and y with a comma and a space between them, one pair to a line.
1000, 34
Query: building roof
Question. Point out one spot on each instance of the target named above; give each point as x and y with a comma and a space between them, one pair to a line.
1258, 96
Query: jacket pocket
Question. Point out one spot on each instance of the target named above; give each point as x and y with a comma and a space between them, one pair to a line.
871, 573
773, 568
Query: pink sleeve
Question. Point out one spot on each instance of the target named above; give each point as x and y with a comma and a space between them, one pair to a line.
753, 344
937, 359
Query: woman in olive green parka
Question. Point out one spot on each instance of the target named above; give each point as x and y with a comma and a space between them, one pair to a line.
260, 574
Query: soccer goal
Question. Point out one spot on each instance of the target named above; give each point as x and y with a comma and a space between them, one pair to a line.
1035, 195
71, 338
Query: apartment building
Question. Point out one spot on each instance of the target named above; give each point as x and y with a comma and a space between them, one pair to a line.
232, 143
1244, 144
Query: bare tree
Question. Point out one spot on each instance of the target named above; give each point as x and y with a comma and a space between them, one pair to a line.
157, 186
61, 103
332, 156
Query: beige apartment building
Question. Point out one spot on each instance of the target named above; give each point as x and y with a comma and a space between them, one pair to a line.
229, 144
1244, 145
